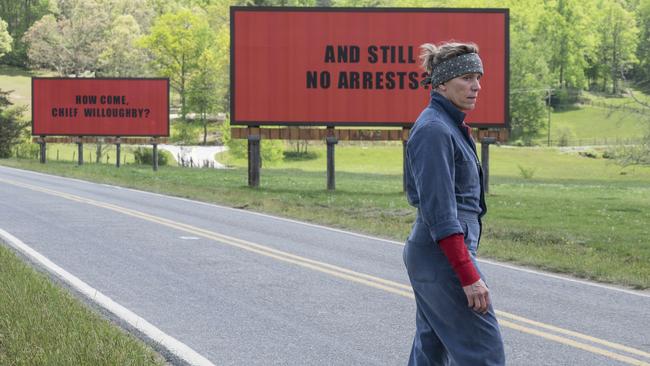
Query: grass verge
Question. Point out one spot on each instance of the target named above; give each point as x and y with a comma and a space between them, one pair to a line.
585, 218
42, 324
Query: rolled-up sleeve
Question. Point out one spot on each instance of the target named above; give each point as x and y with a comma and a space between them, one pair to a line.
430, 156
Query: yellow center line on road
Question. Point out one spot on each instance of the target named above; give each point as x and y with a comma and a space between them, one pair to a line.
357, 277
573, 334
572, 343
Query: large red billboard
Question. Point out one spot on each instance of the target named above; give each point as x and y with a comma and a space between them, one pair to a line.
100, 107
352, 66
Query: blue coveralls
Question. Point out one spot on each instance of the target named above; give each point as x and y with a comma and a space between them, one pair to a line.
444, 181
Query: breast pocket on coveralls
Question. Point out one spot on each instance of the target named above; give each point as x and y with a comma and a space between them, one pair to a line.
467, 178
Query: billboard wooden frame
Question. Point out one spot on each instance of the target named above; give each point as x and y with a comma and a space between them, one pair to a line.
506, 106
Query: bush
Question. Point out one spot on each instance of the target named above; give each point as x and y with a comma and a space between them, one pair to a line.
144, 155
526, 173
564, 136
11, 126
633, 155
27, 150
589, 154
300, 156
271, 150
564, 98
609, 154
518, 143
185, 132
238, 148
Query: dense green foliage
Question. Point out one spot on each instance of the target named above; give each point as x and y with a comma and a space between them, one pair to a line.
144, 155
70, 43
642, 69
20, 15
5, 38
11, 127
176, 43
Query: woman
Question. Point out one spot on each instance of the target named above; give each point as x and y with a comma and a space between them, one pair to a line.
455, 322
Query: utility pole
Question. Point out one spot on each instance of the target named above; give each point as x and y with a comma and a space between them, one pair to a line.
548, 98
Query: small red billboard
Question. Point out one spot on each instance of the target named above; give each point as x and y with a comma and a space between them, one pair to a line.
100, 107
354, 66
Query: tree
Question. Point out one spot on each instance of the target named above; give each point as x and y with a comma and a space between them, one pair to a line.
20, 15
280, 2
566, 33
218, 12
529, 72
175, 44
45, 46
142, 11
122, 57
361, 3
642, 70
71, 44
11, 127
618, 42
206, 88
5, 38
528, 87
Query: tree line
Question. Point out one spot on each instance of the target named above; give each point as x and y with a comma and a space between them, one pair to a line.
557, 47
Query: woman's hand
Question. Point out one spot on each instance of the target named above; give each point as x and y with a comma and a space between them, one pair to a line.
478, 296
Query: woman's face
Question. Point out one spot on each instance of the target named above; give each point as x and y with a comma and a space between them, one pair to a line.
462, 91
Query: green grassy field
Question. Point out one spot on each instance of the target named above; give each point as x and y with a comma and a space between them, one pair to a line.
19, 81
381, 158
606, 120
42, 324
620, 100
588, 123
577, 215
386, 158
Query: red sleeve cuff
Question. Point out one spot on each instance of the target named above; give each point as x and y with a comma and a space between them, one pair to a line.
458, 256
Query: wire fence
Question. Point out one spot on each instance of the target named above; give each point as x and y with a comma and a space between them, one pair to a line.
604, 141
629, 107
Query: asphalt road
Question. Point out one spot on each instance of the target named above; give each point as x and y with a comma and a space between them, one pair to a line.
241, 288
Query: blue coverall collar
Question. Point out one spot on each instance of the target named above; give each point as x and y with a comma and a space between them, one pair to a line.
456, 114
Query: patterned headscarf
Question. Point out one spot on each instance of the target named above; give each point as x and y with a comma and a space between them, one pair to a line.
467, 63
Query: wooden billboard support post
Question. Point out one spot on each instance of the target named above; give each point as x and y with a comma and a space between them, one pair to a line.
118, 144
485, 161
405, 137
488, 137
331, 143
155, 155
254, 156
80, 151
43, 149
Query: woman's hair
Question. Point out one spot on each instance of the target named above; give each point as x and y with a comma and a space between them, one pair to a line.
431, 55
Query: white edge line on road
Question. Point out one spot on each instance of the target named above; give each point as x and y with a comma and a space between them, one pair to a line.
173, 345
495, 263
